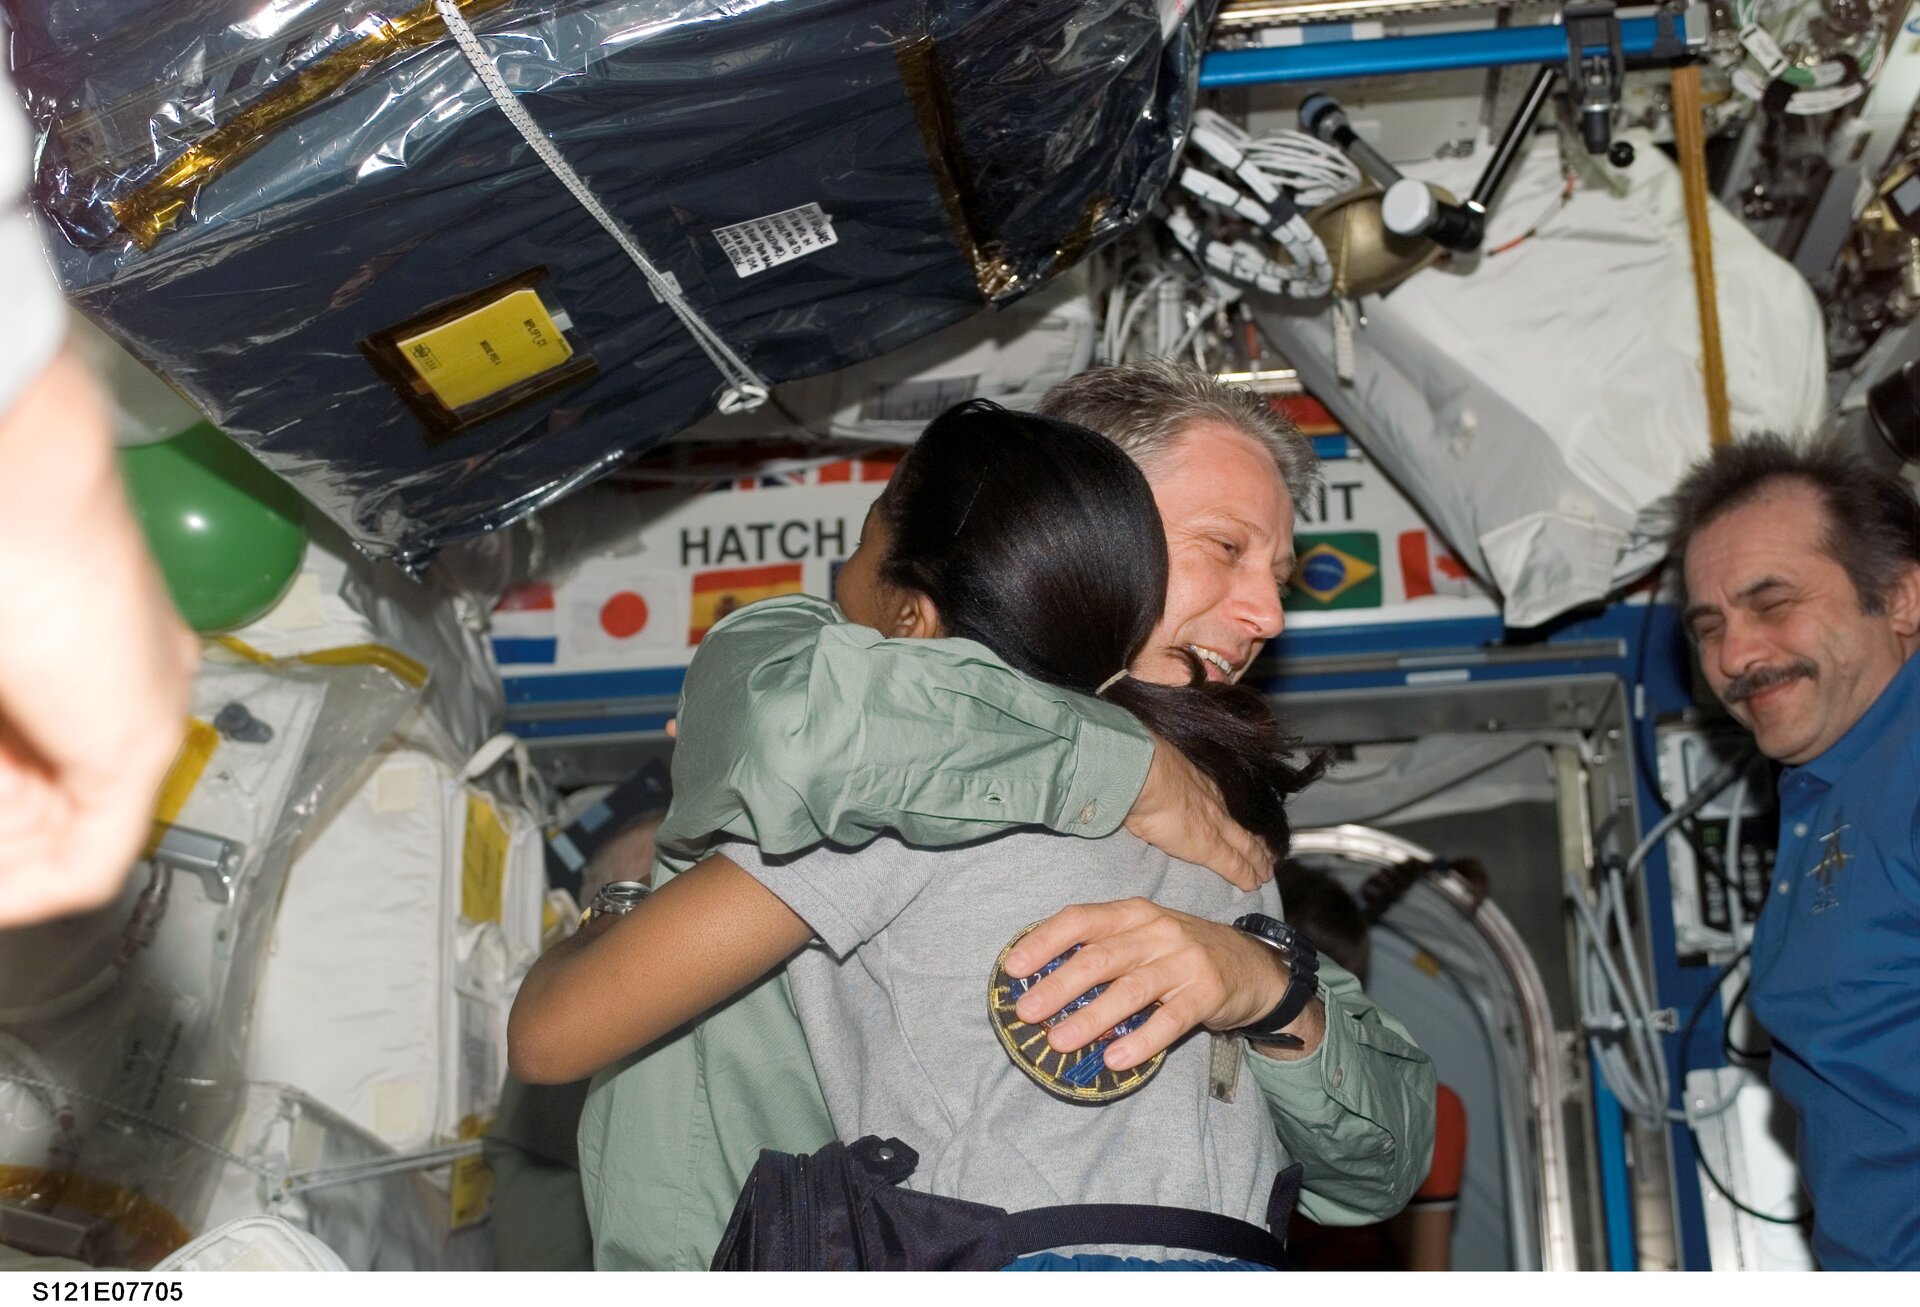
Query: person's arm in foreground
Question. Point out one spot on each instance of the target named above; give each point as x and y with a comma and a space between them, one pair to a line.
815, 729
1354, 1105
95, 666
622, 982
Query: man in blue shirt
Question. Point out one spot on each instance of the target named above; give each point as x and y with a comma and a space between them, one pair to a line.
1802, 577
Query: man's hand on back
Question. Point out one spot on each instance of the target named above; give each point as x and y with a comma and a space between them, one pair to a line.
1200, 972
1180, 813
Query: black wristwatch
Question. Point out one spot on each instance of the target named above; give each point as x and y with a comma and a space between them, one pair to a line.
1303, 979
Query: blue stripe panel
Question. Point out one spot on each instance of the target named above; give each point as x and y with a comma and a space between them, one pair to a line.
1491, 47
569, 728
514, 649
1616, 1183
596, 687
1330, 447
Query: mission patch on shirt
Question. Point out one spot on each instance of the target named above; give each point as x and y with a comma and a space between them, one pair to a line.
1082, 1075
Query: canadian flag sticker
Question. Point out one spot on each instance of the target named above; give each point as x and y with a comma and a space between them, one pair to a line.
1429, 569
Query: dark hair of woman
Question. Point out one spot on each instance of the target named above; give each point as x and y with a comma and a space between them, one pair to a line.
1041, 541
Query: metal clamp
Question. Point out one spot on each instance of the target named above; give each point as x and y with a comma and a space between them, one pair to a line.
1596, 67
214, 860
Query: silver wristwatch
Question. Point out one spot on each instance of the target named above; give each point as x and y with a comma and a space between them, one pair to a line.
616, 899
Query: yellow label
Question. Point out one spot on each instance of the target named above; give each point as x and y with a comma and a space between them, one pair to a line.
195, 751
472, 1184
483, 862
493, 348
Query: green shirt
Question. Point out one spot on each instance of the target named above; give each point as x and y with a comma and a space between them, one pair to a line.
796, 727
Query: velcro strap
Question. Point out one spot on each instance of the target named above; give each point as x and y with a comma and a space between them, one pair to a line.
1170, 1227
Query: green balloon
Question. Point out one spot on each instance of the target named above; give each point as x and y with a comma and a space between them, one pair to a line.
228, 534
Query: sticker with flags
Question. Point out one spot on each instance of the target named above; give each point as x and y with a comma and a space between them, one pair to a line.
715, 594
1337, 569
524, 630
614, 608
869, 466
1427, 567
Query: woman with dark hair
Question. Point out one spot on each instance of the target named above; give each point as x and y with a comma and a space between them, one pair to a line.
1040, 541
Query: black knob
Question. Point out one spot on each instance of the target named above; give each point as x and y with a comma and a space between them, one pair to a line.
1620, 154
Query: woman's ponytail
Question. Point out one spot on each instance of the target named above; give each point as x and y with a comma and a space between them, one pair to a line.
1231, 734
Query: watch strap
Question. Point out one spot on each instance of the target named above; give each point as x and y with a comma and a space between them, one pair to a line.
1303, 980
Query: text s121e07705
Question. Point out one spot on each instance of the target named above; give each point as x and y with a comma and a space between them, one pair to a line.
105, 1290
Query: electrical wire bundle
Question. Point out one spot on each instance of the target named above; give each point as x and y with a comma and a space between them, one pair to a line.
1271, 179
1615, 1000
1805, 89
1156, 310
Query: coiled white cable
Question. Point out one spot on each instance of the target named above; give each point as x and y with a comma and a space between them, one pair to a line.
745, 389
1313, 170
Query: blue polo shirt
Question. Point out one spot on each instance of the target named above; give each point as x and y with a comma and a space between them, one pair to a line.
1836, 981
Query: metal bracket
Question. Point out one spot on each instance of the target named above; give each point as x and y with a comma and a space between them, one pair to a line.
1596, 67
214, 860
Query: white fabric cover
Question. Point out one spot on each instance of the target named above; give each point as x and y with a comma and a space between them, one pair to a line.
156, 1031
254, 1243
379, 999
341, 597
1536, 405
394, 1218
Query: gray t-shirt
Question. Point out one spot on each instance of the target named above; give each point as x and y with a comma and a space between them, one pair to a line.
894, 1002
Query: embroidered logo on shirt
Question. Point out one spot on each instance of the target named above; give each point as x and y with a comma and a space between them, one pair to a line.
1832, 862
1083, 1075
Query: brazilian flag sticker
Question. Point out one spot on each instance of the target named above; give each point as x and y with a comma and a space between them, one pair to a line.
1340, 569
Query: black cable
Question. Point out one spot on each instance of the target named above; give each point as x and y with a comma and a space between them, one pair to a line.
1686, 1041
1688, 830
1727, 1046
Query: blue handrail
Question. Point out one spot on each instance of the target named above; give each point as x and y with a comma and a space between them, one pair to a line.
1641, 39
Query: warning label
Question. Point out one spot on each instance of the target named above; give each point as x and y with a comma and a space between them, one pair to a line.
761, 243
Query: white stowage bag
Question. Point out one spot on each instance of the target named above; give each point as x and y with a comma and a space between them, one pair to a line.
1538, 405
407, 924
254, 1243
299, 1163
342, 599
123, 1031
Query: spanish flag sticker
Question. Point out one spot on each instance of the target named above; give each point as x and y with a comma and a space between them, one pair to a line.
1340, 569
715, 594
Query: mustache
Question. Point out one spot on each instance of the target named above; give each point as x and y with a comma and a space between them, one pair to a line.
1765, 678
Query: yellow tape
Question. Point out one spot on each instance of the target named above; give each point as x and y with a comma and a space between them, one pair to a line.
196, 750
153, 208
483, 863
410, 670
472, 1184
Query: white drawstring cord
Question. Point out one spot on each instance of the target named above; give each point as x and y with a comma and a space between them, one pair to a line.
745, 389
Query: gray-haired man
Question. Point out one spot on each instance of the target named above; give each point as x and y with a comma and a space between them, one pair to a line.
796, 728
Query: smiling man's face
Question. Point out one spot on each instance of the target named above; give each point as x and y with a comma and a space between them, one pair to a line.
1781, 634
1229, 523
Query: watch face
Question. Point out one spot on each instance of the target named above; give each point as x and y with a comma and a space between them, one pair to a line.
1081, 1076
